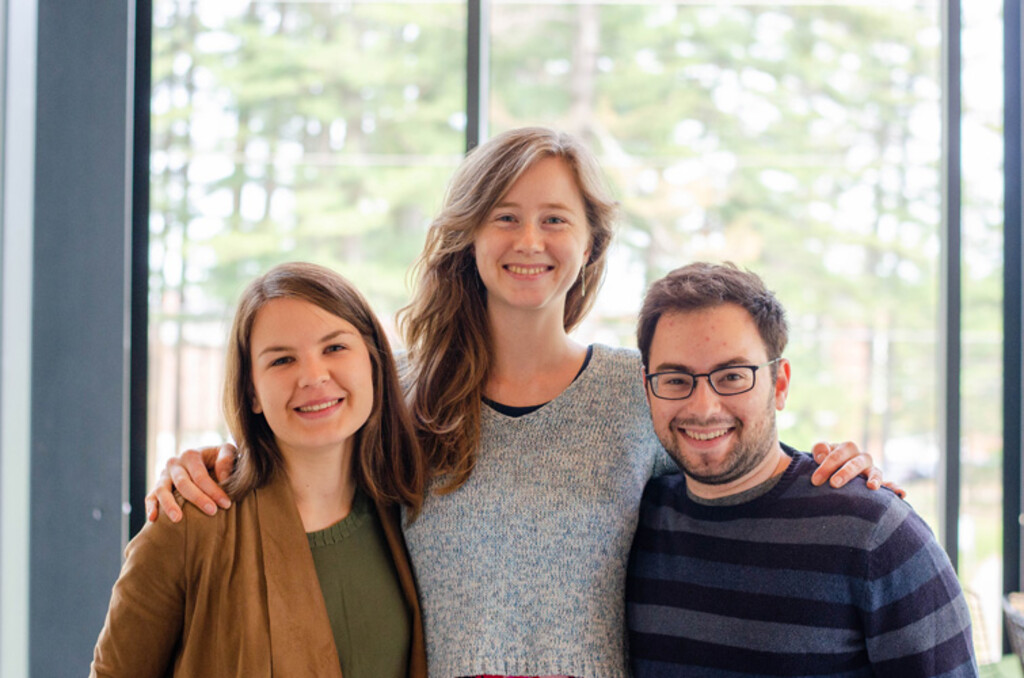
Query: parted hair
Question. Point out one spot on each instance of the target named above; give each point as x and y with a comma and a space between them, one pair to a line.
702, 285
445, 324
387, 461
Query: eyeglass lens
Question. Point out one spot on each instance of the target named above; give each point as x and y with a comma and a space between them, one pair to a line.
725, 381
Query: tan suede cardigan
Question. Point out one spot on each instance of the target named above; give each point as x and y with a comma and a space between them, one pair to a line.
232, 595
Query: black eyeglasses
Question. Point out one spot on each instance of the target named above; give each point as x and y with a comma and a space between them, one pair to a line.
725, 381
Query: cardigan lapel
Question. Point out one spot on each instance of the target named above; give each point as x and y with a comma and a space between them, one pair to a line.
301, 640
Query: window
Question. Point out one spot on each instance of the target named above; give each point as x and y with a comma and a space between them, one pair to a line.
801, 140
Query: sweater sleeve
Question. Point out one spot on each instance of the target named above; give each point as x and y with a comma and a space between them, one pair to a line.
143, 626
916, 619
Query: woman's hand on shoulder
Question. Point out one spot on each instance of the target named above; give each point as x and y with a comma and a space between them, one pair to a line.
189, 473
839, 463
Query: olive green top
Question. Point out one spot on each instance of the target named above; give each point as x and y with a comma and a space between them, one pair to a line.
369, 616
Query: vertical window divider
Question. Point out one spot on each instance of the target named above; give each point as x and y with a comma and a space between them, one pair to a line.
1013, 303
950, 276
478, 48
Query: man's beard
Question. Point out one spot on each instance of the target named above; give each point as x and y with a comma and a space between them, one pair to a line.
751, 445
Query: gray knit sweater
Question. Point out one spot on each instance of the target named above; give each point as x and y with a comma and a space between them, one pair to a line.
522, 570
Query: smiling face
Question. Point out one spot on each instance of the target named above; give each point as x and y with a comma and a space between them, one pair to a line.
312, 377
531, 246
722, 441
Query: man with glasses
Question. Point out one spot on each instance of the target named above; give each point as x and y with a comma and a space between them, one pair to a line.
740, 566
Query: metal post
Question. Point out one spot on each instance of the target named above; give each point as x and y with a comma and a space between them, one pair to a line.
1013, 308
478, 43
950, 297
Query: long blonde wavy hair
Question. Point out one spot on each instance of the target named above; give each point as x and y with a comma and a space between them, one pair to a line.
445, 325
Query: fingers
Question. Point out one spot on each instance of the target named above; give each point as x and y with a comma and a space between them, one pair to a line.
192, 479
900, 492
161, 498
840, 463
225, 463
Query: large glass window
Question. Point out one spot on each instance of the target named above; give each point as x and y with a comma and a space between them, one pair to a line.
981, 391
321, 131
800, 140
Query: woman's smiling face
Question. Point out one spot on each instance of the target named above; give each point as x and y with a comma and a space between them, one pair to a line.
312, 376
531, 246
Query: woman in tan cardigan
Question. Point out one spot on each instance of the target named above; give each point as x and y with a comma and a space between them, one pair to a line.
307, 574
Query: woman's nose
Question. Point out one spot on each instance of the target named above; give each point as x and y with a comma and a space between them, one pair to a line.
530, 238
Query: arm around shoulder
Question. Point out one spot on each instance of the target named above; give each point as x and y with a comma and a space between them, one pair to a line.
147, 606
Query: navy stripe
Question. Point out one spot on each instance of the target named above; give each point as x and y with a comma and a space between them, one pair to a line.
906, 540
925, 600
843, 560
945, 657
682, 651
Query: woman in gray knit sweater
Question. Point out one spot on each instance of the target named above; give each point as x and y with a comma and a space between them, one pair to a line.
540, 447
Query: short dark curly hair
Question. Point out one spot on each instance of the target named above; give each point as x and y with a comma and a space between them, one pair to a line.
702, 285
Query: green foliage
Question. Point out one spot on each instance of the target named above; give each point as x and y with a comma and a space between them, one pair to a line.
801, 141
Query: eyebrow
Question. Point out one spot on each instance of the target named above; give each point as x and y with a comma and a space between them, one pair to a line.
547, 205
679, 367
330, 336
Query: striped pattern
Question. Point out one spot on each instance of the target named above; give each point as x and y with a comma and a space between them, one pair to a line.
803, 581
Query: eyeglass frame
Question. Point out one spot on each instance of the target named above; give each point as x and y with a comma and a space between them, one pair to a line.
650, 379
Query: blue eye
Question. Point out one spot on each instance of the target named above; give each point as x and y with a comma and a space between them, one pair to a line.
284, 360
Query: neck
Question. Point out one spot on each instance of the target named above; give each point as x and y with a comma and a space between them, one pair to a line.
533, 359
773, 464
323, 485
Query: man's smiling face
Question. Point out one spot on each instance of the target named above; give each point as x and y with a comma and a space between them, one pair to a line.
717, 440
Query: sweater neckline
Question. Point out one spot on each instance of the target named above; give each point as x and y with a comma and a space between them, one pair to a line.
782, 481
344, 528
514, 412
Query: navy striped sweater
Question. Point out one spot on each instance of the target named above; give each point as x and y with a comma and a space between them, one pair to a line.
801, 581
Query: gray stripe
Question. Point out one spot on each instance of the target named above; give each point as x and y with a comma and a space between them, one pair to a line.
741, 633
849, 531
924, 634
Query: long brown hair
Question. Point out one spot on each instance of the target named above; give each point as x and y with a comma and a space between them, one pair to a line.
445, 324
387, 461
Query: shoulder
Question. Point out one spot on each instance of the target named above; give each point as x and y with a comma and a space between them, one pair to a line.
195, 527
663, 490
616, 368
879, 513
624, 358
854, 493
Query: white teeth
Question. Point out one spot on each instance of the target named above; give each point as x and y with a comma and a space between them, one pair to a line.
321, 406
710, 435
526, 270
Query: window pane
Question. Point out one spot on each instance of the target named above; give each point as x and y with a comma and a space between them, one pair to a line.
800, 140
981, 531
321, 131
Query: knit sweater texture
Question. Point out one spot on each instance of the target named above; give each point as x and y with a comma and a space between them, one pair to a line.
802, 581
522, 569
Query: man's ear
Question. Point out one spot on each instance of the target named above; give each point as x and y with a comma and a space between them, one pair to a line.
782, 377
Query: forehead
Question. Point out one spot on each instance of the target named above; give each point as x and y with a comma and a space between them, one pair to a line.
550, 178
289, 319
706, 337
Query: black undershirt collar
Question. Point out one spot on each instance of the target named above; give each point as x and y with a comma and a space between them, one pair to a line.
510, 411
